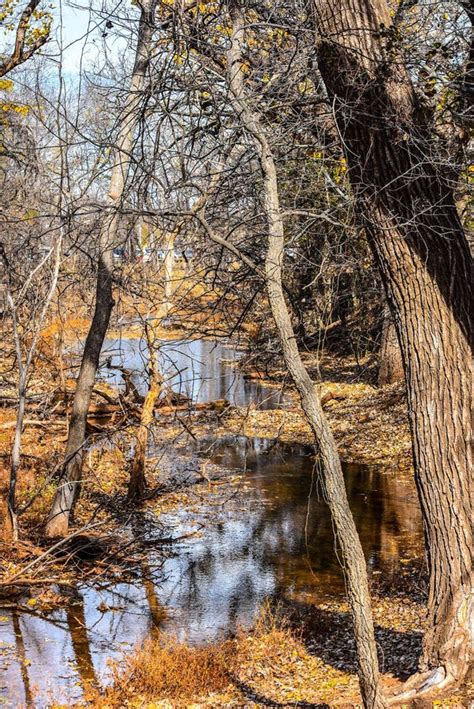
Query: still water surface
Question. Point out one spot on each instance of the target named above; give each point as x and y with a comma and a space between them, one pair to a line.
201, 370
270, 539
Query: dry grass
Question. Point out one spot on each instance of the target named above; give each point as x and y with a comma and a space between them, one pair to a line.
275, 665
167, 670
270, 664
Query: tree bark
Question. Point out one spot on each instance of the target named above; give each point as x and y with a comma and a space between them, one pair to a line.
354, 564
390, 356
69, 487
406, 202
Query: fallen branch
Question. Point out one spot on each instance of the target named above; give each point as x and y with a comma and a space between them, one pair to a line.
12, 579
171, 540
32, 422
32, 581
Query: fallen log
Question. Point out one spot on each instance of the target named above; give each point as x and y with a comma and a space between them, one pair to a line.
97, 410
216, 405
171, 398
31, 422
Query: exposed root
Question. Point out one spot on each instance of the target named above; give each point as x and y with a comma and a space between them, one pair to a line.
423, 684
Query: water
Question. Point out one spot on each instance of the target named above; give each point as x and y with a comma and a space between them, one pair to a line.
201, 370
267, 537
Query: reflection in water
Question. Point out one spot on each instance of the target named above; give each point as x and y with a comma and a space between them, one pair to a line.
201, 370
276, 538
23, 660
270, 539
43, 667
156, 610
77, 625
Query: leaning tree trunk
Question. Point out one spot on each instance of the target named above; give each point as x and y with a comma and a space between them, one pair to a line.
334, 485
390, 355
407, 204
69, 486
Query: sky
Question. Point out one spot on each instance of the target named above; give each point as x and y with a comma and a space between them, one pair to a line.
71, 25
80, 32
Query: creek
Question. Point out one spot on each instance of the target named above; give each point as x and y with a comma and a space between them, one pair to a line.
270, 539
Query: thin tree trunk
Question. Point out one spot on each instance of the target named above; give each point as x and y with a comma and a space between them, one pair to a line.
334, 486
69, 487
390, 356
11, 526
407, 204
137, 483
168, 271
16, 455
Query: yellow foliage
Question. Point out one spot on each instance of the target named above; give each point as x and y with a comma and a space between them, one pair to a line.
16, 107
6, 10
224, 29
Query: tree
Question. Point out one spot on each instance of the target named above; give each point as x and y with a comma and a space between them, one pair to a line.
28, 38
405, 197
68, 490
34, 227
334, 485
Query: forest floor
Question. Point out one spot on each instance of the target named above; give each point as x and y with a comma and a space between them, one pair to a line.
302, 654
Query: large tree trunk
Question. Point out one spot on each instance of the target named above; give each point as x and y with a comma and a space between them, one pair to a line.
68, 490
407, 205
333, 479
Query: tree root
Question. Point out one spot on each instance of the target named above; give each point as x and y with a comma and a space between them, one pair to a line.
422, 684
